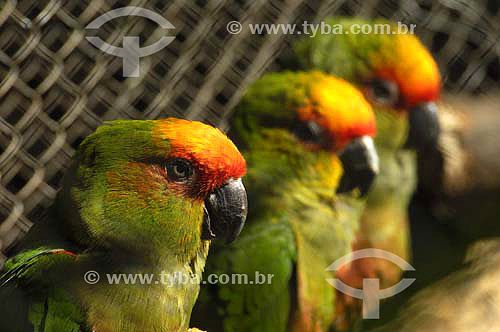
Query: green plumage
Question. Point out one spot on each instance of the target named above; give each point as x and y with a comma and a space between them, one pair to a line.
346, 55
352, 57
455, 229
293, 230
384, 221
117, 217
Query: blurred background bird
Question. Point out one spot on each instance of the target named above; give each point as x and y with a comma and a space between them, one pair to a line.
402, 82
143, 197
455, 226
305, 136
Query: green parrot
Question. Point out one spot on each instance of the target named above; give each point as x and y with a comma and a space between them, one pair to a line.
305, 136
455, 226
143, 198
401, 80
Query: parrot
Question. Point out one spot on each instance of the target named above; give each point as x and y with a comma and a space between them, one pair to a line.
455, 225
401, 80
142, 197
307, 138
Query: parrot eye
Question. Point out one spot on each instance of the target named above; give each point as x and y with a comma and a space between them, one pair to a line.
383, 92
309, 132
179, 170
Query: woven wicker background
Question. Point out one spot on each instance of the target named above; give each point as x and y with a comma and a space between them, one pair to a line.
56, 88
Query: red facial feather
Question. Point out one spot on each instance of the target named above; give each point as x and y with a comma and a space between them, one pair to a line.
412, 67
340, 109
413, 92
209, 149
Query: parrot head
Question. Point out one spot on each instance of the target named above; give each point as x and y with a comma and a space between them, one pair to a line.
319, 114
394, 70
156, 185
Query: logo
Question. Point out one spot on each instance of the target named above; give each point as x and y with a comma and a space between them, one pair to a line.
131, 52
371, 294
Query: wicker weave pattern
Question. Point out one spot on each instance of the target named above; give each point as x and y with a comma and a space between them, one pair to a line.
56, 88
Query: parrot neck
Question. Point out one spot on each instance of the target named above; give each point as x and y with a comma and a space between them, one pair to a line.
282, 172
392, 130
162, 301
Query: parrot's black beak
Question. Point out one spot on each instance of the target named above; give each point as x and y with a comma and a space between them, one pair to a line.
225, 212
424, 126
361, 165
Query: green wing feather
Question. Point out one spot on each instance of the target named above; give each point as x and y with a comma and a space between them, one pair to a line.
29, 298
262, 303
